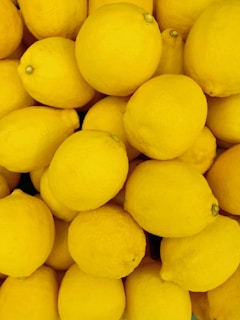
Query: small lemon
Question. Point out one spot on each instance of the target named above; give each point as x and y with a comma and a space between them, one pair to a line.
34, 297
203, 261
26, 233
29, 136
118, 48
149, 297
49, 73
88, 169
82, 296
165, 115
106, 242
169, 198
35, 177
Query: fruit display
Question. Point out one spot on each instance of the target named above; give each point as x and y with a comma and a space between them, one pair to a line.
119, 160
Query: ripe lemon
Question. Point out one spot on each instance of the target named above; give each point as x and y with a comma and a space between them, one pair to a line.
202, 152
107, 114
49, 73
53, 18
149, 297
27, 233
11, 28
88, 169
223, 178
200, 305
203, 261
30, 136
4, 187
118, 48
35, 178
12, 92
216, 67
12, 178
106, 242
34, 297
165, 115
169, 198
82, 296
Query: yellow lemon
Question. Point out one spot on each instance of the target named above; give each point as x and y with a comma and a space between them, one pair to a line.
12, 92
60, 258
34, 297
35, 177
30, 136
11, 28
49, 73
149, 297
12, 178
82, 296
203, 261
216, 67
200, 305
107, 114
118, 48
223, 118
223, 178
170, 198
88, 169
106, 242
202, 152
26, 233
4, 187
53, 18
165, 115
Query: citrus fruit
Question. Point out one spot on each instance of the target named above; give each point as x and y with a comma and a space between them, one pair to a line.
4, 187
149, 297
216, 67
118, 48
106, 242
34, 297
12, 178
169, 198
82, 296
203, 261
165, 115
35, 177
88, 169
27, 233
200, 305
29, 136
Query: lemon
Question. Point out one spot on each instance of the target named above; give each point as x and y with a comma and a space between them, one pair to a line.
202, 152
60, 258
106, 242
4, 187
149, 297
216, 68
107, 114
88, 169
12, 92
170, 198
118, 48
29, 136
27, 233
203, 261
12, 178
35, 178
11, 28
200, 305
34, 297
165, 115
82, 296
49, 73
53, 18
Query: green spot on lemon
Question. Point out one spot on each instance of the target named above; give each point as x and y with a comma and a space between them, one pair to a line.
148, 17
29, 69
173, 33
215, 209
115, 137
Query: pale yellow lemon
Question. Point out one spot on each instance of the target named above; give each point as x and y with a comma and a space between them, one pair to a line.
11, 28
29, 136
82, 296
212, 48
33, 297
49, 73
118, 48
170, 198
203, 261
53, 18
149, 297
165, 115
26, 233
88, 169
106, 242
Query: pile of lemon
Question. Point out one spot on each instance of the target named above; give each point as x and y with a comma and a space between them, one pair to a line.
125, 117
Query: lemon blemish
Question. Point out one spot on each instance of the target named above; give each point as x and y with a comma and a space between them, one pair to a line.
29, 69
